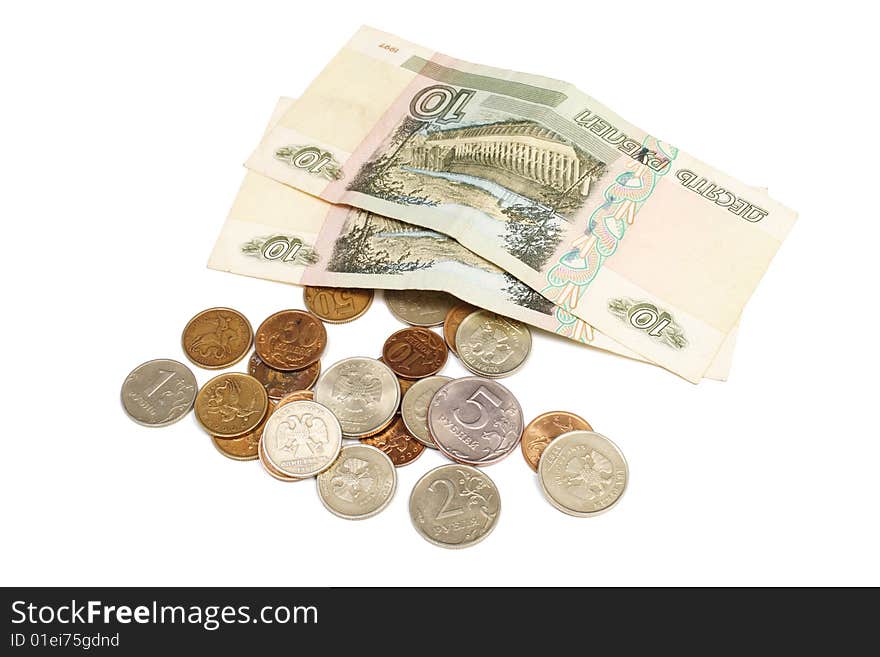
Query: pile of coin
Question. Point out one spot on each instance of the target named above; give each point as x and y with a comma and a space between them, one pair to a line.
350, 425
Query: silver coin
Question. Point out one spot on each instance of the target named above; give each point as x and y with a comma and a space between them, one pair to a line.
419, 307
492, 345
362, 393
475, 421
454, 506
359, 484
414, 408
582, 473
159, 392
302, 438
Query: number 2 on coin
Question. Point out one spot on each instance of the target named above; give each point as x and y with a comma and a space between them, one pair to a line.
445, 510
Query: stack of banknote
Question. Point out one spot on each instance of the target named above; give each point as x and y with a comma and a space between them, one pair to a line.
403, 168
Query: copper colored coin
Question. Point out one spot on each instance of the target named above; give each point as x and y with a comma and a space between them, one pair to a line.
397, 443
217, 338
280, 383
454, 318
271, 469
415, 353
405, 384
544, 428
297, 395
246, 447
231, 405
290, 340
337, 305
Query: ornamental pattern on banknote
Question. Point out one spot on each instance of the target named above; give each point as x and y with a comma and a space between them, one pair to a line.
288, 249
517, 174
569, 279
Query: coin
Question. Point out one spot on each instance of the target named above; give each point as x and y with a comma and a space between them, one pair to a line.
217, 338
362, 392
405, 384
397, 443
279, 383
246, 447
414, 407
492, 345
271, 469
290, 340
475, 421
414, 352
359, 484
453, 320
159, 392
544, 428
419, 307
582, 473
231, 405
296, 395
302, 438
454, 506
337, 305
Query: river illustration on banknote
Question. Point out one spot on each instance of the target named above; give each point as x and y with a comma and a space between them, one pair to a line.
367, 243
525, 180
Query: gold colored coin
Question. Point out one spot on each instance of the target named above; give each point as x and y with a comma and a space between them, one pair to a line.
246, 447
217, 338
337, 305
544, 428
231, 405
297, 395
290, 340
279, 383
453, 320
397, 442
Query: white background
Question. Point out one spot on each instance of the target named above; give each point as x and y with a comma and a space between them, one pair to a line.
123, 132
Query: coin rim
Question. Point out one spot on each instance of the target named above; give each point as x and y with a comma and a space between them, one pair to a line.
329, 463
270, 469
450, 546
385, 421
481, 463
292, 310
573, 512
522, 442
451, 345
339, 321
492, 375
166, 423
218, 441
406, 321
415, 328
229, 364
403, 415
241, 433
381, 508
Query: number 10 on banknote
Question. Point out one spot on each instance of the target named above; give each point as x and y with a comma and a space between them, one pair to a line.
654, 248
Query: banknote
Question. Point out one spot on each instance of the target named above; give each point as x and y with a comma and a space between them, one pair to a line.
643, 242
276, 232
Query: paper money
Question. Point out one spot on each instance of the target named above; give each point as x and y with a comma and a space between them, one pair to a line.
652, 247
276, 232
